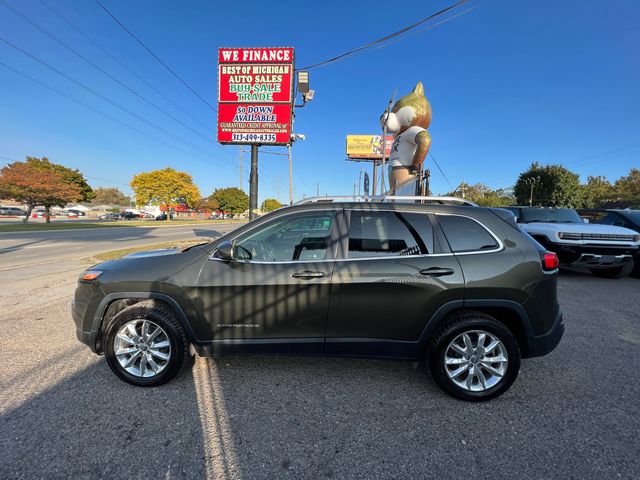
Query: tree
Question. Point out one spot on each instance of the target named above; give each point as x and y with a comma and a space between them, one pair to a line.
73, 177
29, 183
208, 204
270, 204
231, 199
485, 196
110, 196
598, 192
628, 188
165, 187
557, 187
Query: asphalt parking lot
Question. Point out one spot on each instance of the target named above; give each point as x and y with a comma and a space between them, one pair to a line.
573, 414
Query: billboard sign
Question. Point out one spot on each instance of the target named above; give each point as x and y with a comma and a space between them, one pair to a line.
367, 146
255, 95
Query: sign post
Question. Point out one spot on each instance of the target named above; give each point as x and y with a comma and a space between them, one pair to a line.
255, 102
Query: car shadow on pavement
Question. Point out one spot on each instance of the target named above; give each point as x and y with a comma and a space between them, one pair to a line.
91, 425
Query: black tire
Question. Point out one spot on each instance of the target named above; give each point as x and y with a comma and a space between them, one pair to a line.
469, 322
164, 318
635, 273
616, 272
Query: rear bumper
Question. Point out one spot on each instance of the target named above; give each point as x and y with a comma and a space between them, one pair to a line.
540, 345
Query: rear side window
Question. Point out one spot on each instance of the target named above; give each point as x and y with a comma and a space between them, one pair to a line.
385, 234
465, 234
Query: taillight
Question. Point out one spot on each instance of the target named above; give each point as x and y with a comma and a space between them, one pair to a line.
550, 261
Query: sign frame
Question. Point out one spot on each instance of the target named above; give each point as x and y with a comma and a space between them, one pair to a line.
257, 135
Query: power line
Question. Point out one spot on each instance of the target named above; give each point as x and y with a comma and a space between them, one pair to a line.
437, 165
100, 69
156, 57
142, 132
383, 39
122, 64
117, 105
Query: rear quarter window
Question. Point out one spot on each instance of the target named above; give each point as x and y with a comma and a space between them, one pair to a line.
465, 234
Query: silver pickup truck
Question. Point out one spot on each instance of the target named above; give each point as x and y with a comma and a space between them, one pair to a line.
606, 250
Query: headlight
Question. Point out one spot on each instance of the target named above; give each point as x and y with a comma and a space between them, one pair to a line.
570, 236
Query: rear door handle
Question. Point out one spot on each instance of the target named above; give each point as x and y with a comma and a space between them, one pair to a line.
308, 275
436, 271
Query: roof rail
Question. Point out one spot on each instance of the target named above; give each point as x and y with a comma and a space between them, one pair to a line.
388, 199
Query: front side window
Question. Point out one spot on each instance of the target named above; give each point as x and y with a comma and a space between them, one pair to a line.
385, 234
465, 234
297, 238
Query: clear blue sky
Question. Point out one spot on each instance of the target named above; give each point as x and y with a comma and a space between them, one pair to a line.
509, 83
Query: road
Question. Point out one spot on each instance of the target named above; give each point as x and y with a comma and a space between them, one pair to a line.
55, 247
572, 414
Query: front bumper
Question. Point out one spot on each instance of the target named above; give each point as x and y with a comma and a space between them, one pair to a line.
540, 345
591, 256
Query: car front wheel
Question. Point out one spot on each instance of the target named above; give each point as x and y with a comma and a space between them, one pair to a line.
145, 344
474, 357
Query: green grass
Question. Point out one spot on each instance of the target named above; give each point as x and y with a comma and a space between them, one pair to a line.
28, 227
177, 244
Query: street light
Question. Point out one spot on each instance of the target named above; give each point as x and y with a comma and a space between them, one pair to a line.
531, 181
303, 88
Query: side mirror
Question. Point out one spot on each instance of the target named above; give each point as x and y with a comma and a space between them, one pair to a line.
585, 220
226, 251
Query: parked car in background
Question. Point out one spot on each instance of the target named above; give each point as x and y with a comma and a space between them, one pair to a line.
626, 218
76, 213
163, 216
460, 287
109, 216
219, 216
606, 250
12, 212
129, 216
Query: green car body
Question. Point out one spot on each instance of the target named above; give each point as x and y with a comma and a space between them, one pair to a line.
387, 305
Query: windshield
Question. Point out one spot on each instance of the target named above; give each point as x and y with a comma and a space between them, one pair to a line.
553, 215
633, 215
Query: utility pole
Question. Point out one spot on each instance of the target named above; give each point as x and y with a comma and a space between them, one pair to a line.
317, 189
355, 186
240, 159
290, 175
253, 183
277, 187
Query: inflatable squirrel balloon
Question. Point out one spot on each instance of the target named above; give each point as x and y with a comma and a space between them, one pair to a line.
408, 122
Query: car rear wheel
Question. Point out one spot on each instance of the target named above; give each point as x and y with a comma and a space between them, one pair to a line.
145, 344
616, 272
474, 357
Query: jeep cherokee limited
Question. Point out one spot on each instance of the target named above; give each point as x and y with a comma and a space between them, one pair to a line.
460, 287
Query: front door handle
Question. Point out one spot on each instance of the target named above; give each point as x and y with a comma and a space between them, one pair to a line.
308, 275
436, 271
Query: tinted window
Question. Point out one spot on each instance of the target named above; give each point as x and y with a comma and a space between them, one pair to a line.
466, 235
612, 218
382, 234
296, 238
553, 215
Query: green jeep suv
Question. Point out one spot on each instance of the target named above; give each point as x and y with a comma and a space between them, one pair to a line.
461, 288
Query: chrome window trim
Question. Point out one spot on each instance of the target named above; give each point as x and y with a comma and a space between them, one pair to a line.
395, 257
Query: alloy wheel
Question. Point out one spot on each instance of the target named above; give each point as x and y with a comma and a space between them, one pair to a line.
142, 348
476, 360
